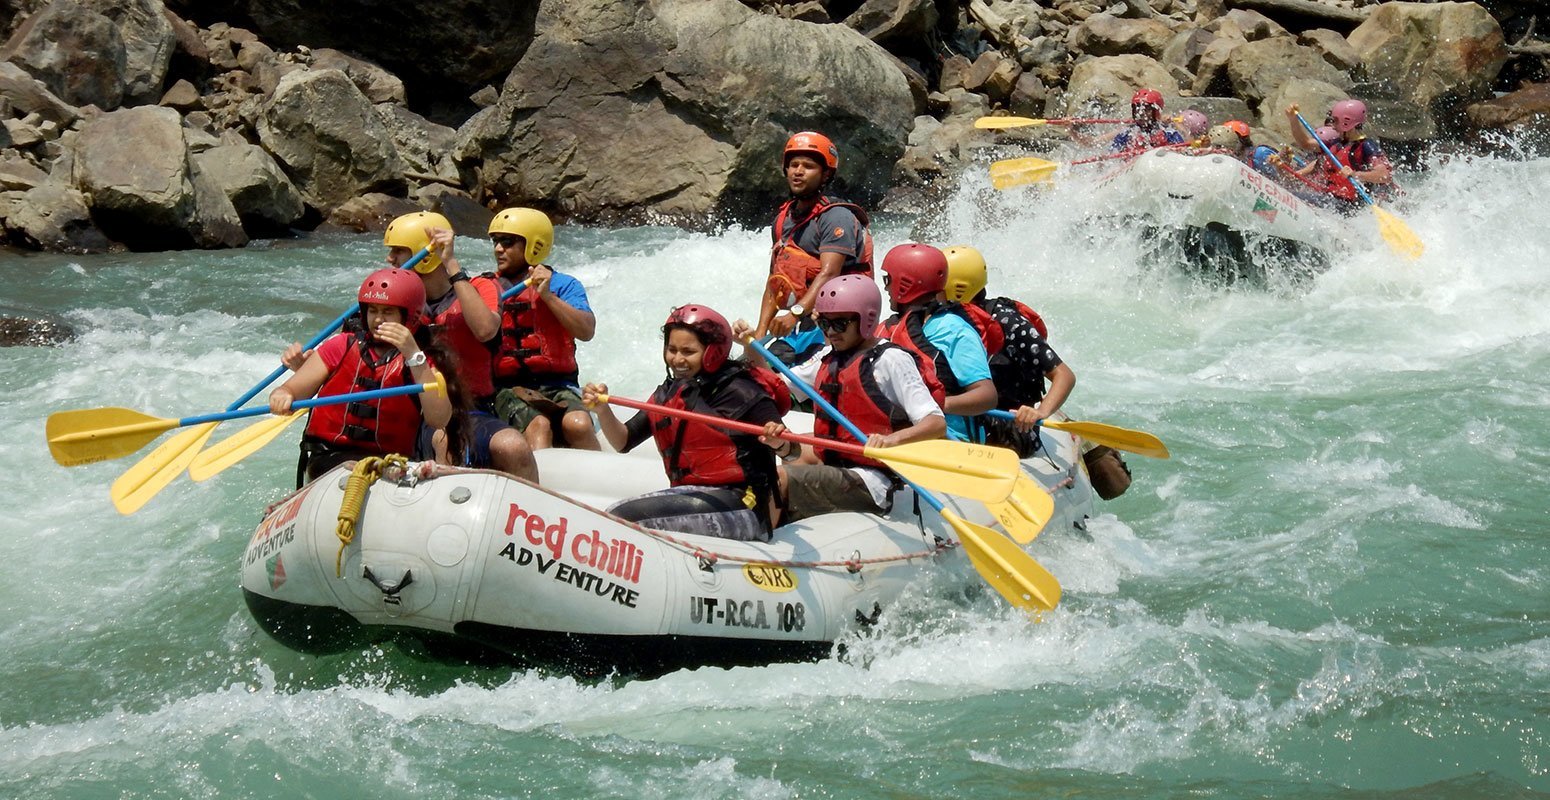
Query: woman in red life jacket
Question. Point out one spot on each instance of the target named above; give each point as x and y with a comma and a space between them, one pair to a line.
392, 352
887, 391
1360, 158
723, 483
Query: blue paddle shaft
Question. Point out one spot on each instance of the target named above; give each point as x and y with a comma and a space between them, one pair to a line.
1355, 184
835, 414
316, 340
331, 400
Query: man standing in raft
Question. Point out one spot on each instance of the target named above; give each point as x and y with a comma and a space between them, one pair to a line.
816, 239
463, 318
534, 368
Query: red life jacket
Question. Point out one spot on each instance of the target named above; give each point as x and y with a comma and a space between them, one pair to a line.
532, 342
698, 454
793, 269
848, 382
910, 333
1027, 313
1359, 158
385, 425
473, 356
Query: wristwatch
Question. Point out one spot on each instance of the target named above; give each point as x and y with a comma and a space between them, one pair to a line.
797, 310
416, 360
461, 276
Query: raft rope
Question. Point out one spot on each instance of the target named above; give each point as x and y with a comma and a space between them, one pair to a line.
366, 472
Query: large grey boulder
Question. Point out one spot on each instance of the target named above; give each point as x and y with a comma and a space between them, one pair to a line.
896, 23
53, 217
1102, 87
425, 147
265, 200
1448, 53
1312, 97
379, 85
29, 96
469, 42
680, 108
1257, 69
1107, 35
102, 52
132, 164
213, 222
329, 139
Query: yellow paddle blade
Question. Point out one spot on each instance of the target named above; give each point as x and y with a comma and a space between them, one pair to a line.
98, 434
1138, 442
976, 471
1398, 235
1025, 511
997, 123
239, 446
1014, 574
151, 474
1021, 171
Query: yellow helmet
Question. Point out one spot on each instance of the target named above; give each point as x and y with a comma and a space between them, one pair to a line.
532, 225
965, 273
1223, 137
410, 231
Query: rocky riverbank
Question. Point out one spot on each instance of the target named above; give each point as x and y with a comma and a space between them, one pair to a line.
148, 125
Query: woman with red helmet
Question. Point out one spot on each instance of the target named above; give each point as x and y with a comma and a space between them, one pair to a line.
392, 351
815, 239
722, 483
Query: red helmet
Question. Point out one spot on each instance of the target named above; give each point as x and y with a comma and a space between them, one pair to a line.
1348, 114
395, 287
814, 143
1237, 126
712, 329
1146, 97
913, 271
852, 294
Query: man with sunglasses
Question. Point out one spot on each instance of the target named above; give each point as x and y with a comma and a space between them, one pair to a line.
890, 395
534, 366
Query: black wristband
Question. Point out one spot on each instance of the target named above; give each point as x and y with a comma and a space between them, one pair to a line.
461, 276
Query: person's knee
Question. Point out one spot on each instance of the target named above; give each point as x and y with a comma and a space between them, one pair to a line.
509, 452
578, 429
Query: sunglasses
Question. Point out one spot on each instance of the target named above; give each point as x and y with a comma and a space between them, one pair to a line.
835, 324
505, 240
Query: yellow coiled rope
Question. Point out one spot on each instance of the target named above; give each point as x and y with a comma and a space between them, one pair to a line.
366, 472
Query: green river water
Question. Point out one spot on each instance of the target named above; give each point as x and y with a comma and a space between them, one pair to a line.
1339, 587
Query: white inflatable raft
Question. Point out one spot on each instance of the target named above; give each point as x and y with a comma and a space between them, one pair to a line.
541, 574
1226, 217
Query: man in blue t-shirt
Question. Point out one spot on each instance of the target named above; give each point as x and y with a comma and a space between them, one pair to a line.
534, 368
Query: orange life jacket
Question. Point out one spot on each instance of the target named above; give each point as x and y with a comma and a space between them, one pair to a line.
793, 269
